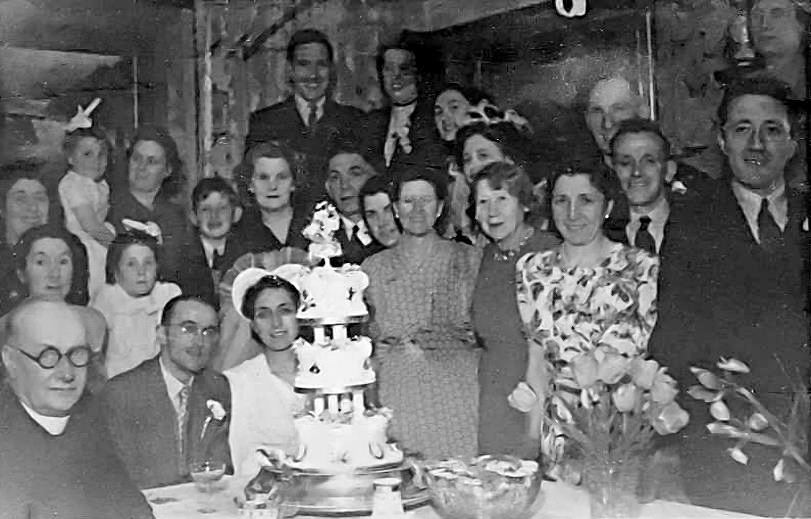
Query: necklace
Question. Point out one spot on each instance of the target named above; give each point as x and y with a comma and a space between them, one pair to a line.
507, 255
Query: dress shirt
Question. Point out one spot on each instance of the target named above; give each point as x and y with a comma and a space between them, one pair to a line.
303, 107
363, 233
658, 219
55, 425
399, 124
750, 202
209, 249
173, 385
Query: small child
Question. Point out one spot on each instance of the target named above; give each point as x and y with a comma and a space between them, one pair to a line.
199, 264
84, 195
132, 301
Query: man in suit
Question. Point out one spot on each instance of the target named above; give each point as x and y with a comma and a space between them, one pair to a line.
745, 297
640, 157
612, 100
56, 458
347, 172
404, 133
309, 120
157, 412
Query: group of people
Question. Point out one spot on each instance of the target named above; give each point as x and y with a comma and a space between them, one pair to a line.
484, 273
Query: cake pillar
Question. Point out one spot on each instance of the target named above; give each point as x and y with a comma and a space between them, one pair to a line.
320, 336
318, 405
358, 405
339, 333
332, 404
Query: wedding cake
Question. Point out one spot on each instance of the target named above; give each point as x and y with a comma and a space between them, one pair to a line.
339, 431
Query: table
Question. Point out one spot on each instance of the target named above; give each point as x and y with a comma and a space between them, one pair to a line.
559, 501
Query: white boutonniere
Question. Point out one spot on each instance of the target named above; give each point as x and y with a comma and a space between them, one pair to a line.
677, 186
402, 137
217, 414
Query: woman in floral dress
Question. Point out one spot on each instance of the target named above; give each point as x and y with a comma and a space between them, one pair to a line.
587, 292
420, 293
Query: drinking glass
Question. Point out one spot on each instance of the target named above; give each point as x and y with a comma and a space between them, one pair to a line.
205, 475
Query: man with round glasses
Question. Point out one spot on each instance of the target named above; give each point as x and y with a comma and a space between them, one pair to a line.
157, 412
56, 459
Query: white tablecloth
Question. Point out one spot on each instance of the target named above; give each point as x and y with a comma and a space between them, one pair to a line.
559, 501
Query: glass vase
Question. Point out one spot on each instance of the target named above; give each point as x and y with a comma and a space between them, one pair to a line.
612, 485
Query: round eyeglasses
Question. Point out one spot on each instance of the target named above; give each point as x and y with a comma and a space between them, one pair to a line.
78, 356
191, 329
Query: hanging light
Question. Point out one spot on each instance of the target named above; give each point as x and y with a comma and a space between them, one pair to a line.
578, 8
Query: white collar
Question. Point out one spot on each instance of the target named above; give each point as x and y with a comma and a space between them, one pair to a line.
657, 215
303, 106
209, 249
400, 115
54, 425
173, 385
363, 232
750, 202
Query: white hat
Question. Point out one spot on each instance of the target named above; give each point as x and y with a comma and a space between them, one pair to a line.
249, 277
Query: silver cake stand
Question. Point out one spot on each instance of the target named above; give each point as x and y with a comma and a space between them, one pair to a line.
340, 494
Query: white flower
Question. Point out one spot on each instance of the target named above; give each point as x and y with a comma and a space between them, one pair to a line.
738, 455
777, 472
757, 422
217, 410
719, 411
677, 186
733, 365
522, 398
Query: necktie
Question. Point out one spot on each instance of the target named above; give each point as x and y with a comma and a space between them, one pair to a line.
768, 231
182, 417
216, 259
644, 239
312, 117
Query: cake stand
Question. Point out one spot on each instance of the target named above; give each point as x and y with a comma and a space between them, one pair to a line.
339, 494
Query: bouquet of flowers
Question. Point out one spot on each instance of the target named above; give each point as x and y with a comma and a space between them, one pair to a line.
789, 437
613, 404
321, 232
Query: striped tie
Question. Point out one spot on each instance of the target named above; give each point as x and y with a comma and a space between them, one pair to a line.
182, 418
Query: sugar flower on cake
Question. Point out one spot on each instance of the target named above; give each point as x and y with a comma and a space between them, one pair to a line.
324, 225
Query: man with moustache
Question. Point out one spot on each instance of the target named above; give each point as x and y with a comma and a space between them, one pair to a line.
56, 458
309, 120
745, 297
378, 211
404, 132
157, 411
347, 171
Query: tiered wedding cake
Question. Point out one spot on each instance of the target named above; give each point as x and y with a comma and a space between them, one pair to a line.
340, 432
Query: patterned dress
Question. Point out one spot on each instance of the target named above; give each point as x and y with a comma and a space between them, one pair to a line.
427, 359
569, 311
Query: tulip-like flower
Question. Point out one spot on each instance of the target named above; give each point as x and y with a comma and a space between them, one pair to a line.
663, 389
670, 419
707, 378
738, 455
625, 397
612, 367
522, 398
585, 370
733, 365
643, 372
719, 411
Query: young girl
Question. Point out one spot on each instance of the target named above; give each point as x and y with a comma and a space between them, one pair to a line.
84, 195
132, 301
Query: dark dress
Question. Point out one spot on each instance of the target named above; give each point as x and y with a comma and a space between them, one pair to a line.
498, 327
76, 474
255, 236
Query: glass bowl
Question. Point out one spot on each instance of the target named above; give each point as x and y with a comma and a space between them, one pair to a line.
487, 487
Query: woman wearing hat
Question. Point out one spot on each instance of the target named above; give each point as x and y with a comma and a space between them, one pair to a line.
262, 397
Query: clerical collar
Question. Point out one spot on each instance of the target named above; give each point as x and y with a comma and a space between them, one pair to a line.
54, 425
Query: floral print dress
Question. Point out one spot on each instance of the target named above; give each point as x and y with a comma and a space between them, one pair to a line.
569, 311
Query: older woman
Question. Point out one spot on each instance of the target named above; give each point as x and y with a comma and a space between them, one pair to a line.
24, 203
502, 195
420, 291
270, 175
154, 185
587, 291
263, 401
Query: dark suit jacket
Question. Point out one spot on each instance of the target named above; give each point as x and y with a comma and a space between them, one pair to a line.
427, 151
354, 252
734, 299
282, 122
72, 475
187, 266
143, 423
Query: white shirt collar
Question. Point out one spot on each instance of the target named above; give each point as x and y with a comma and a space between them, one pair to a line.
363, 233
54, 425
749, 202
303, 107
173, 385
209, 249
658, 219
